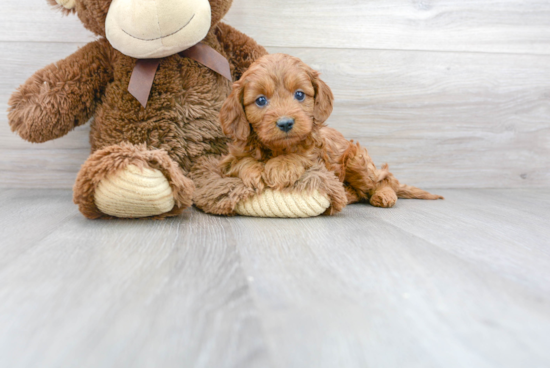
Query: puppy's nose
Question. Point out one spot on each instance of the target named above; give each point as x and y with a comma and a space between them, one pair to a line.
285, 124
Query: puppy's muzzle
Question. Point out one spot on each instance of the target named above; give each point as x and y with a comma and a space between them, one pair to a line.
285, 124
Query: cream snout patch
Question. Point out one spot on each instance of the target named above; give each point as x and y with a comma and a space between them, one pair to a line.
146, 29
67, 4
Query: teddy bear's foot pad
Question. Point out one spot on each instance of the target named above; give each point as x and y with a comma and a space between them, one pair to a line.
284, 205
134, 193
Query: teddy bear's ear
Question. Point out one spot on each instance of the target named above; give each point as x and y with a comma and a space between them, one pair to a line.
219, 9
232, 115
68, 6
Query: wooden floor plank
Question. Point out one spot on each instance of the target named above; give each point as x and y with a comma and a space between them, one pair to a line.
536, 202
457, 283
129, 293
26, 217
451, 25
450, 120
366, 293
498, 233
508, 26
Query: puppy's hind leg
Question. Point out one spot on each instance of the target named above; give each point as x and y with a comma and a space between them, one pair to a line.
362, 179
384, 193
388, 183
379, 187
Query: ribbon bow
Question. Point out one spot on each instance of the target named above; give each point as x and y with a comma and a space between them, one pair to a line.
145, 70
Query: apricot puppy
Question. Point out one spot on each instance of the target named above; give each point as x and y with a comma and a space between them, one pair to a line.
275, 117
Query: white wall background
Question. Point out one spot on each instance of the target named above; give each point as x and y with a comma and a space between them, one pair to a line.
452, 93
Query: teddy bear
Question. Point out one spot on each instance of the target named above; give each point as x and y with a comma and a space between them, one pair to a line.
152, 85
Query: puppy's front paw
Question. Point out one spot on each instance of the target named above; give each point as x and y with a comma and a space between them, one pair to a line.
280, 174
253, 180
247, 169
318, 178
384, 197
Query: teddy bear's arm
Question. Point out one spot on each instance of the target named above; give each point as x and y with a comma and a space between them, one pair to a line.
241, 49
61, 96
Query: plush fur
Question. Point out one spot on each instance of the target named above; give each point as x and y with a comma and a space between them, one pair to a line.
310, 156
181, 118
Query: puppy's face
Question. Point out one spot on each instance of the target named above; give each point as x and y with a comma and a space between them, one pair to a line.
281, 99
279, 105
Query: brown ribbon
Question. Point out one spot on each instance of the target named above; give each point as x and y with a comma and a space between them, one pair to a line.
145, 70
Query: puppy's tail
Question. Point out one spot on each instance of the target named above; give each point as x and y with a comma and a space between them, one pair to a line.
403, 190
410, 192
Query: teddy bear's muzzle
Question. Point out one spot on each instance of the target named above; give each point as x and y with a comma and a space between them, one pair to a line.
67, 4
154, 29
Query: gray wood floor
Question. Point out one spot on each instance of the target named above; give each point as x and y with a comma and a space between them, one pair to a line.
463, 282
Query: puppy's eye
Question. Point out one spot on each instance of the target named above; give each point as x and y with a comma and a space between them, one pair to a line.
261, 101
300, 96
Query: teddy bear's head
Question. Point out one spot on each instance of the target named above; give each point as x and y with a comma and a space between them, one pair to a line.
148, 28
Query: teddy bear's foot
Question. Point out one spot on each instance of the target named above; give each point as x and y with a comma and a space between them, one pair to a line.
128, 181
134, 193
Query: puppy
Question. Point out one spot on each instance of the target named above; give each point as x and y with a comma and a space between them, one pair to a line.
275, 117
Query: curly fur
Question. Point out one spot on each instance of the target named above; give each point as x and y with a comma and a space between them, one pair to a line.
308, 157
181, 117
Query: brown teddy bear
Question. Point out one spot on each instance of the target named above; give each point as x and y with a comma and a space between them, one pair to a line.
154, 109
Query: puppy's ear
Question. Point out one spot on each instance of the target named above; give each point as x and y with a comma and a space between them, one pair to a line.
323, 98
232, 115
